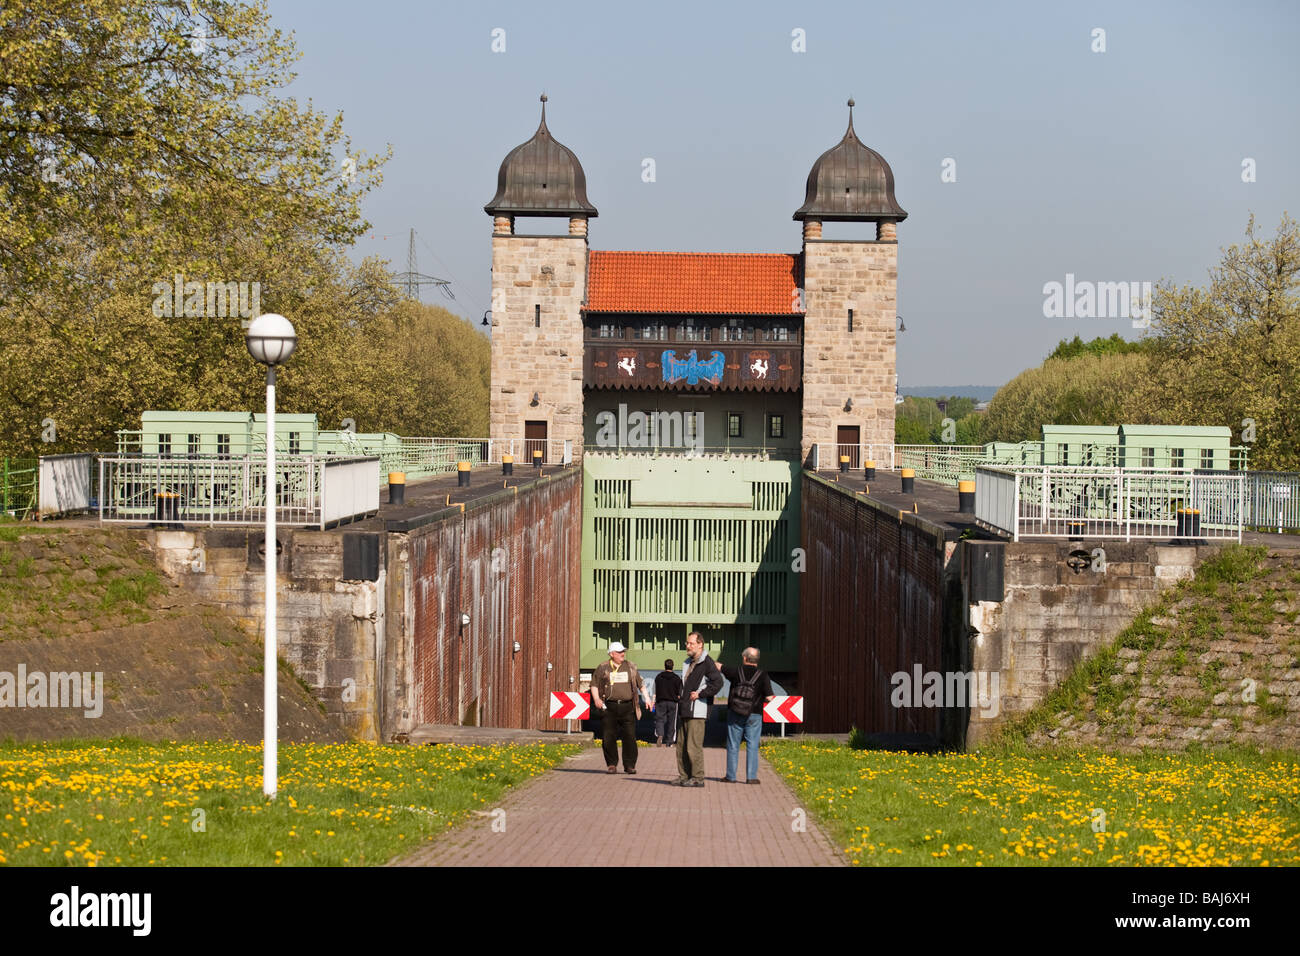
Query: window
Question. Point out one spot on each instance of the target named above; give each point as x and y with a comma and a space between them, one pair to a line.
537, 316
650, 331
295, 442
1062, 454
223, 446
193, 446
1207, 457
609, 331
775, 426
689, 421
1148, 457
735, 331
733, 425
778, 333
164, 444
1175, 458
690, 332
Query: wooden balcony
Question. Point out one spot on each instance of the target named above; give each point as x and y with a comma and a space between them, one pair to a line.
676, 357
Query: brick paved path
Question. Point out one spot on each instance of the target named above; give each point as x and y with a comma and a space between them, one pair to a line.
578, 813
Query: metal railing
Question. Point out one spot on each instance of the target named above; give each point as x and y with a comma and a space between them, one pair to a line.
762, 452
1272, 499
18, 484
825, 456
940, 462
1078, 501
230, 491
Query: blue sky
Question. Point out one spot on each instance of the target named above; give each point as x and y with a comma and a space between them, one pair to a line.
1123, 165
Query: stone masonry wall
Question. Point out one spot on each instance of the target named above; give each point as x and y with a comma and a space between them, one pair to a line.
527, 359
329, 629
1052, 616
839, 364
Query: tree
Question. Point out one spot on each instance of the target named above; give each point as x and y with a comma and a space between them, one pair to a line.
116, 115
1113, 344
1087, 390
1231, 352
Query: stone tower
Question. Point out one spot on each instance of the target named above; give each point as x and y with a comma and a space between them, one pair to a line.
850, 300
539, 283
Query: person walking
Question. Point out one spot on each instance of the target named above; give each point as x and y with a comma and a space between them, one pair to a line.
667, 691
617, 689
700, 682
750, 689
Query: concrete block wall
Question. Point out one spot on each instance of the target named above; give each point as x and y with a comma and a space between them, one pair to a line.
1052, 616
550, 272
330, 630
839, 364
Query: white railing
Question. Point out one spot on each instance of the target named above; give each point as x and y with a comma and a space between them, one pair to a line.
214, 490
349, 489
1128, 503
65, 483
825, 456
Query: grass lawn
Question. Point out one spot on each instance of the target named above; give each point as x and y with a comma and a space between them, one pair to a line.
128, 802
1008, 808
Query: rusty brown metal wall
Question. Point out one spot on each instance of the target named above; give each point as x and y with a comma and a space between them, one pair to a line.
870, 604
513, 563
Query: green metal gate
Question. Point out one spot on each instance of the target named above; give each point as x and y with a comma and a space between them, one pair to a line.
672, 543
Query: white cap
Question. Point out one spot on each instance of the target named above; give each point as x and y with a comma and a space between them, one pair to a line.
616, 646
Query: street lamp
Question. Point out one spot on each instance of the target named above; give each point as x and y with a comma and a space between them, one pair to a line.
271, 340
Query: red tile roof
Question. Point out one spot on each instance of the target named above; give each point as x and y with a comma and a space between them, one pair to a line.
729, 283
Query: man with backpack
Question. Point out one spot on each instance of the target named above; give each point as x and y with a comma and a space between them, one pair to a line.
751, 688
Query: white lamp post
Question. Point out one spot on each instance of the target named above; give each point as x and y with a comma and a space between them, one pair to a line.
271, 340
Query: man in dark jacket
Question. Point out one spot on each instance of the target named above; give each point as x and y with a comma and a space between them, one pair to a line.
751, 688
667, 692
700, 683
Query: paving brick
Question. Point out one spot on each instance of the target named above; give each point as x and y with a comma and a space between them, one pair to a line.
578, 814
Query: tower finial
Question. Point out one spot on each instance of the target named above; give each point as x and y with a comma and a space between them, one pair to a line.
542, 125
849, 132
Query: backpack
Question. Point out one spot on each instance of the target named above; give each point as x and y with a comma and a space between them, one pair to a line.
744, 694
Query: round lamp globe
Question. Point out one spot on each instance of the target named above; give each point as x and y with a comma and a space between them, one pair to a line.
271, 339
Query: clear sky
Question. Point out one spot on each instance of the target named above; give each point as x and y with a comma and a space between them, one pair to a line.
1122, 165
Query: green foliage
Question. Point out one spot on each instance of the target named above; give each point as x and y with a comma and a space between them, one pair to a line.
118, 115
1112, 345
919, 421
1231, 351
176, 153
135, 588
1091, 389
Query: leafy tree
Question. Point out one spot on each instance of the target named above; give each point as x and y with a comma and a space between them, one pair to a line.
909, 431
1113, 344
1087, 390
1231, 351
117, 115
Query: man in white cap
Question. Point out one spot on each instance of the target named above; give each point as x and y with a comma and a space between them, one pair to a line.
616, 688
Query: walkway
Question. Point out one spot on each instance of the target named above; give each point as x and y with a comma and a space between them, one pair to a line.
578, 814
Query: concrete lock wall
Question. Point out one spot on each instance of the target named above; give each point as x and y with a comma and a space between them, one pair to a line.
1060, 602
512, 562
875, 600
329, 629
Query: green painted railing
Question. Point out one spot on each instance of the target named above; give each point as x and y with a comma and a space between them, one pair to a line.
18, 483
